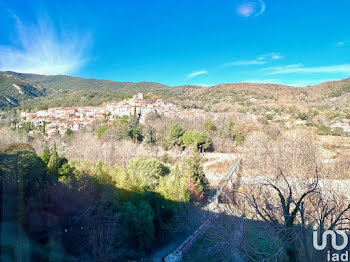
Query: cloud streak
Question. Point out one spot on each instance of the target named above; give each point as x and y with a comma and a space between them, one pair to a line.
197, 73
300, 68
340, 44
260, 60
40, 49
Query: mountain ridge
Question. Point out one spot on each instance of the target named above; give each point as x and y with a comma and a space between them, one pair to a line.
63, 90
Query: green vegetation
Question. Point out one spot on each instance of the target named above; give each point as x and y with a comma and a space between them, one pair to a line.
303, 116
338, 92
69, 133
118, 211
13, 91
145, 173
326, 130
52, 91
175, 134
209, 126
101, 130
196, 182
200, 140
149, 138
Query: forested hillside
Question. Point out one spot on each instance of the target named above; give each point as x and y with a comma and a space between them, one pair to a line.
59, 90
14, 90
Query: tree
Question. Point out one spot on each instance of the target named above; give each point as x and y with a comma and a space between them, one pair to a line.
149, 138
43, 128
102, 227
145, 173
65, 170
22, 169
240, 130
69, 134
134, 128
52, 165
200, 140
138, 222
196, 181
175, 134
288, 174
45, 155
134, 134
174, 185
121, 131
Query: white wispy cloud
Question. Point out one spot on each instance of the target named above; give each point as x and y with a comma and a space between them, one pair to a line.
41, 49
197, 73
340, 44
300, 68
252, 8
246, 62
260, 60
271, 56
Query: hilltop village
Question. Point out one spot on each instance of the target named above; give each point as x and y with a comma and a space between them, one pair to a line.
58, 120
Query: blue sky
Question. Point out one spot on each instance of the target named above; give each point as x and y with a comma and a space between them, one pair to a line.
179, 42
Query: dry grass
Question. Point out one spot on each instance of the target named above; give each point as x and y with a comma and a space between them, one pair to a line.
221, 167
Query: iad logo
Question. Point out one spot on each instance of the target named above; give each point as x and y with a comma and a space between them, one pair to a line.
334, 242
333, 234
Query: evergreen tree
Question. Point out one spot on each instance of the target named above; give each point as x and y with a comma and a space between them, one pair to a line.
135, 112
149, 137
52, 165
175, 134
45, 155
196, 181
134, 129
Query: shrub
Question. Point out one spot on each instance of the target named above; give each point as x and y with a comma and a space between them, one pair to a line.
303, 116
209, 126
269, 116
69, 133
332, 114
197, 139
101, 131
145, 173
323, 130
338, 131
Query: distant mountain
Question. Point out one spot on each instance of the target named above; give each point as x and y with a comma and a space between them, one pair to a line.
30, 91
62, 82
13, 90
18, 89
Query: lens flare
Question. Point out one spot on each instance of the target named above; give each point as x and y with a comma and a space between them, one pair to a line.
246, 10
250, 8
